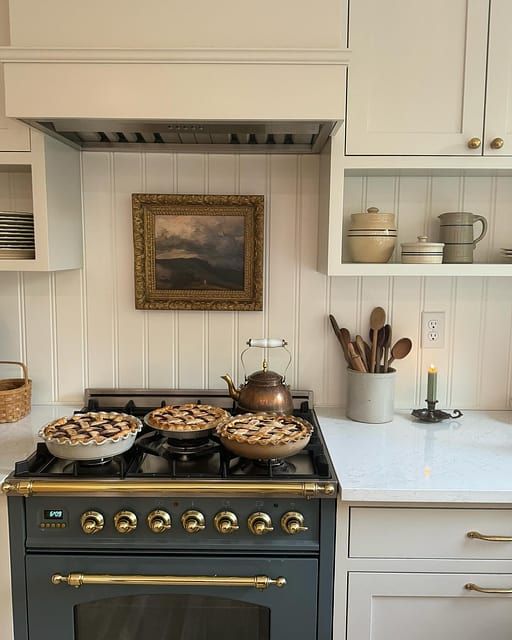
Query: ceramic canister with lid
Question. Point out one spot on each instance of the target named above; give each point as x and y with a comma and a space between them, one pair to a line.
422, 252
372, 236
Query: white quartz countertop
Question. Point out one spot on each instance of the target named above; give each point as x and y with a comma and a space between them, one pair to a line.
18, 439
466, 460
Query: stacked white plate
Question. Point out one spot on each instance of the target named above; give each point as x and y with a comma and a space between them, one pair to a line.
16, 236
506, 253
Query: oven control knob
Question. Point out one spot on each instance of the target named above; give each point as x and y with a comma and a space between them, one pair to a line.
159, 521
125, 521
192, 521
259, 523
226, 522
293, 522
92, 522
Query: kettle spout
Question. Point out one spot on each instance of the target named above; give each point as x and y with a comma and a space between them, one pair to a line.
233, 391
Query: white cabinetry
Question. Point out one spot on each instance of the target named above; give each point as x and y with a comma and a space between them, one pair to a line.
402, 571
46, 181
417, 82
417, 78
423, 606
498, 108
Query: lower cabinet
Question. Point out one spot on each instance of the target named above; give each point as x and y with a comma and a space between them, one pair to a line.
424, 606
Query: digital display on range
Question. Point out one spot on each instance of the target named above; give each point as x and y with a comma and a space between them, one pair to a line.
53, 514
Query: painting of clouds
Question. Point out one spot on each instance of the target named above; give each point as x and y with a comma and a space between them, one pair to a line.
199, 252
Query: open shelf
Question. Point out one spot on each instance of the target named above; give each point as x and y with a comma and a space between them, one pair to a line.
399, 269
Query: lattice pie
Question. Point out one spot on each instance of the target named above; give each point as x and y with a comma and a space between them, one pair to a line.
265, 428
97, 426
187, 417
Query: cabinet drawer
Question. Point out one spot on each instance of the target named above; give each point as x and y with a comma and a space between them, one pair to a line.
429, 533
423, 606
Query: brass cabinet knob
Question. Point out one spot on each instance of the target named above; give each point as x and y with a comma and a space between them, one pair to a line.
192, 521
125, 521
226, 522
497, 143
292, 523
92, 522
259, 523
474, 143
159, 521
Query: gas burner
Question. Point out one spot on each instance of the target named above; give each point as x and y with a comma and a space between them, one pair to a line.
274, 466
185, 452
101, 466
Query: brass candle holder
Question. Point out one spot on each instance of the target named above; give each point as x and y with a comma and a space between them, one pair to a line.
431, 414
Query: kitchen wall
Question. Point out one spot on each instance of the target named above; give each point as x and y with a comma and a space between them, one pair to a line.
79, 328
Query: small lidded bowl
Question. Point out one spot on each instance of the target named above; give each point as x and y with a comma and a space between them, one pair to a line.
372, 236
422, 252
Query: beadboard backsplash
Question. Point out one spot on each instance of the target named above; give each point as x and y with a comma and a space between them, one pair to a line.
79, 328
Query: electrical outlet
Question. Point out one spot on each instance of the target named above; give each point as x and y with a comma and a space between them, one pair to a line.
432, 329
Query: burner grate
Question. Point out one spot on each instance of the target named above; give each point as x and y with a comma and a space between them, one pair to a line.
156, 456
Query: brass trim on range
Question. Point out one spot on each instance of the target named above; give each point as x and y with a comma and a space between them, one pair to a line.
13, 487
481, 536
79, 579
474, 587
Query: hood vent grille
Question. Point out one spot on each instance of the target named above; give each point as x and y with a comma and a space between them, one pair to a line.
194, 137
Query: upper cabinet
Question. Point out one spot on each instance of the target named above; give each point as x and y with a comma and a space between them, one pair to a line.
498, 108
417, 81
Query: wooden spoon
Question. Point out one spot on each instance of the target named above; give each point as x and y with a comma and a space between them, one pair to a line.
377, 321
400, 350
337, 333
361, 348
387, 345
346, 340
381, 343
357, 363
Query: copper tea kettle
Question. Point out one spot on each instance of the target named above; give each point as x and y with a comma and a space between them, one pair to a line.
263, 390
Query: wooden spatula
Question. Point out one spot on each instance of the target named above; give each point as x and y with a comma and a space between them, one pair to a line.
377, 321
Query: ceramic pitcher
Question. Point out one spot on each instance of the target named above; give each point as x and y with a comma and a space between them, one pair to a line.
457, 233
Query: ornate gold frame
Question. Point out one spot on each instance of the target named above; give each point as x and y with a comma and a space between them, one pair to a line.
146, 206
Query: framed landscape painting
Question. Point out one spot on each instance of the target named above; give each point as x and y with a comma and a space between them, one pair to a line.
198, 252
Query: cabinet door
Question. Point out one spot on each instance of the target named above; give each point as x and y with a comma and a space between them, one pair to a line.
14, 136
498, 115
423, 606
416, 82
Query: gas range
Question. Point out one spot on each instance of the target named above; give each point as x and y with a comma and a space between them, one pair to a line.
187, 520
159, 461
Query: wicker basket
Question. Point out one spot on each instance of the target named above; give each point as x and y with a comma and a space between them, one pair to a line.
15, 395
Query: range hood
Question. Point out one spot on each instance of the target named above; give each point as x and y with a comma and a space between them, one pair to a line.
218, 101
196, 136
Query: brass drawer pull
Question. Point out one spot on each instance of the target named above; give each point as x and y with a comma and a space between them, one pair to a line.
79, 579
474, 587
481, 536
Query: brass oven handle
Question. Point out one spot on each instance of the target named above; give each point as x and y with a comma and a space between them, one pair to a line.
474, 587
257, 582
481, 536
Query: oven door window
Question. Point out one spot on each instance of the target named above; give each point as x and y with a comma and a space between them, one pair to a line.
171, 617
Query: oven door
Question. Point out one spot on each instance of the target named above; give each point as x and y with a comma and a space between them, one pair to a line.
79, 597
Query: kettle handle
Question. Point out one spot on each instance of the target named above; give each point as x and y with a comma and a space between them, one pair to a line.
266, 343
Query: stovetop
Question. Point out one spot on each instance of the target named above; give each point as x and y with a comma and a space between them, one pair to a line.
157, 456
